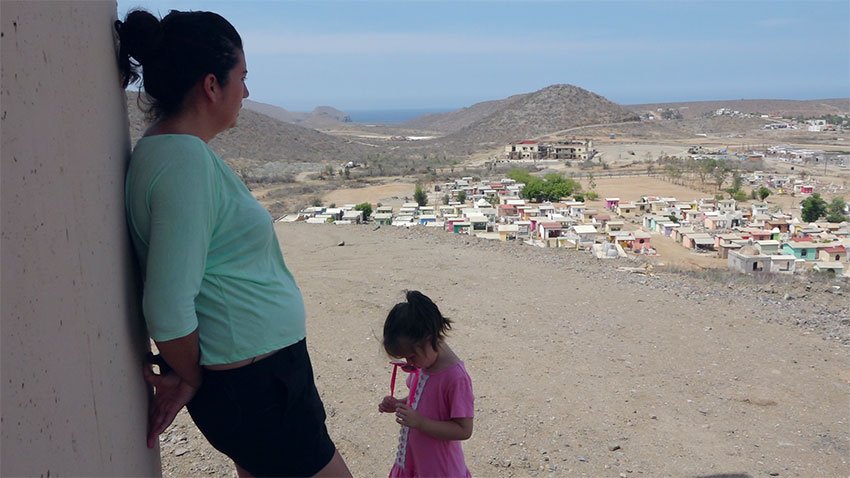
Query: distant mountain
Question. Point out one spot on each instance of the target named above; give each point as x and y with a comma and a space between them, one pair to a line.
785, 108
552, 109
320, 117
264, 139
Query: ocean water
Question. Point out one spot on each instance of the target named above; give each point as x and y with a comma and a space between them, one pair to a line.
393, 116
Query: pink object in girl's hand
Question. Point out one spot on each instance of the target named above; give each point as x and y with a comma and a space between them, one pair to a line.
406, 367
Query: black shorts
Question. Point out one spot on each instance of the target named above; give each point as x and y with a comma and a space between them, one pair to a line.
267, 416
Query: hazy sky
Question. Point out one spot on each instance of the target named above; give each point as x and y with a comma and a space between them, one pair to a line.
356, 55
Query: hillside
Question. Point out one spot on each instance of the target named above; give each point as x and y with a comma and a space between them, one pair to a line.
258, 138
320, 117
455, 120
785, 108
579, 369
552, 109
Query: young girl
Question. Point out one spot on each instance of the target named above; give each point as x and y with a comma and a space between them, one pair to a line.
439, 411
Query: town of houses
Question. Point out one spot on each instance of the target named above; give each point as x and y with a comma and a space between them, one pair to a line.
748, 237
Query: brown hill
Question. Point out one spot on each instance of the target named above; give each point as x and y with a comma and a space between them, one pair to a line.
260, 138
784, 108
455, 120
320, 117
554, 108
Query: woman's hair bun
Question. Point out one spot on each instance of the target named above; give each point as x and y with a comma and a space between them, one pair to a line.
140, 34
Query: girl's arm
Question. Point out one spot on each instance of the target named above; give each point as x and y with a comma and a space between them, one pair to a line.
389, 404
454, 429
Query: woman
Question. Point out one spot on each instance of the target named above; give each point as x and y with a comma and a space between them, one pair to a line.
219, 301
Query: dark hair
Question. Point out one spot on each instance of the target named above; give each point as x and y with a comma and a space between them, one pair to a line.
174, 54
412, 322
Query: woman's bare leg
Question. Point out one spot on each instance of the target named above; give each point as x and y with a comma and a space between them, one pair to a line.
336, 468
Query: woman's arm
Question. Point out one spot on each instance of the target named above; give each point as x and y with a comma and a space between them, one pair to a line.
175, 388
183, 356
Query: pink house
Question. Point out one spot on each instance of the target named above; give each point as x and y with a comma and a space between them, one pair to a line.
550, 230
641, 240
756, 235
506, 210
450, 223
612, 203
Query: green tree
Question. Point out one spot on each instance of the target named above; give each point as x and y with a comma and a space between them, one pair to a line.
533, 190
814, 207
763, 193
446, 199
461, 197
735, 190
365, 207
551, 188
705, 167
739, 196
835, 211
420, 196
520, 175
719, 175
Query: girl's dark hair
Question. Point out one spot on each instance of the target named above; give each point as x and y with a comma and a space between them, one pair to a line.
171, 55
410, 323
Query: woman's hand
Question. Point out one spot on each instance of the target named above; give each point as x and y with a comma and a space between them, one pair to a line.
408, 417
171, 393
389, 404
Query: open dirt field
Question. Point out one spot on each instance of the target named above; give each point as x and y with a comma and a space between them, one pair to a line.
579, 369
390, 194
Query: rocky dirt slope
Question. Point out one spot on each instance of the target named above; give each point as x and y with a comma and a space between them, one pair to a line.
580, 369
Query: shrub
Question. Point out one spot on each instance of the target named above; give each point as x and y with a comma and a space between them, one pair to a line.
366, 208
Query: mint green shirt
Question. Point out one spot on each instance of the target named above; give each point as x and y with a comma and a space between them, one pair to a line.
209, 253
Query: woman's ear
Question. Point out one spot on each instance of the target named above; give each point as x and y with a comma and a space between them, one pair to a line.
211, 87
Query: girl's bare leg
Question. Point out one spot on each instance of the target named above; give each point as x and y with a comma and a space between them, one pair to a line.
335, 468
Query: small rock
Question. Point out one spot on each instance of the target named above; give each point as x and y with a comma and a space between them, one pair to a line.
341, 243
180, 451
581, 458
614, 447
788, 296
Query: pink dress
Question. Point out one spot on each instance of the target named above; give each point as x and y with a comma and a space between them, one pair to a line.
442, 395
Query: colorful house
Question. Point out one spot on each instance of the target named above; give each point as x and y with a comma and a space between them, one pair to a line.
641, 241
507, 232
805, 250
748, 260
628, 209
833, 254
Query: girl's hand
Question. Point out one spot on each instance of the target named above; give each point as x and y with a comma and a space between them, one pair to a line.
406, 416
389, 404
171, 393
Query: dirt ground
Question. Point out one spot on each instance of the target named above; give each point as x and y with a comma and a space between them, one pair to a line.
579, 369
392, 193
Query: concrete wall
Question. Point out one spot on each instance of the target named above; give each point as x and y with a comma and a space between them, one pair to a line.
73, 401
